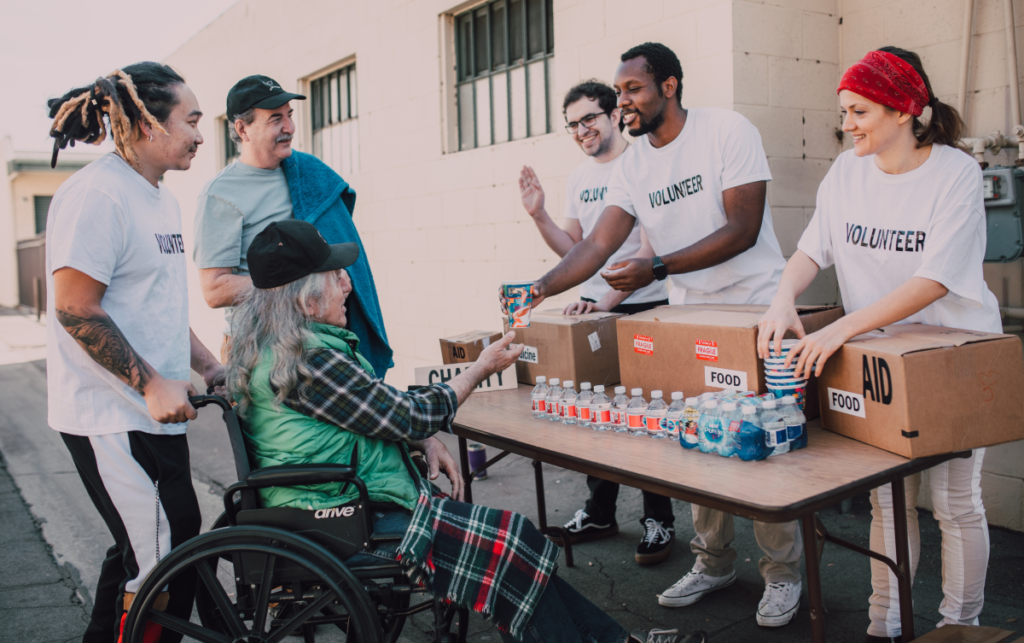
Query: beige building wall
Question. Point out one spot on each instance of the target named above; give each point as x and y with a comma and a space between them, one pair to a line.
442, 229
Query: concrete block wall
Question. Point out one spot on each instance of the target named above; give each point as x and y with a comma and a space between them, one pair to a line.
786, 66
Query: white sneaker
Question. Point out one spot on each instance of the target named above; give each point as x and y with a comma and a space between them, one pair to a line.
780, 603
691, 588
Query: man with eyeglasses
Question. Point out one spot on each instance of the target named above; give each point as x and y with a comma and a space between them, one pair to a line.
595, 124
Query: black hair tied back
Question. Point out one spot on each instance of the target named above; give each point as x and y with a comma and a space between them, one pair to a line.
128, 96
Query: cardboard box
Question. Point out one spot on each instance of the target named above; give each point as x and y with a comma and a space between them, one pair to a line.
700, 348
581, 348
921, 390
467, 346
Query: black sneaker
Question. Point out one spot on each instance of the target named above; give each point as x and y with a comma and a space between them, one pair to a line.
656, 544
583, 528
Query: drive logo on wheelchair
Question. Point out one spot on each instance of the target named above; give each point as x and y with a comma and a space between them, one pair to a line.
335, 512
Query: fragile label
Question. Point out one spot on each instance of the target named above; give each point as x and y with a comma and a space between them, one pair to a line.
595, 342
529, 354
723, 378
707, 351
643, 344
846, 402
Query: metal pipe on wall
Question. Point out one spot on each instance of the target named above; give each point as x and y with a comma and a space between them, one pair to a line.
965, 55
1011, 64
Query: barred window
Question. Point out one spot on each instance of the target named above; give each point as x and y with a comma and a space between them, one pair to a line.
231, 151
504, 71
334, 110
42, 207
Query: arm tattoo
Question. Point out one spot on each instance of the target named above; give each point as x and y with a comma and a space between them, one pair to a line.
103, 340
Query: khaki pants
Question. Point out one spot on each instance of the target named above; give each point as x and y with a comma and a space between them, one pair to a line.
956, 496
781, 543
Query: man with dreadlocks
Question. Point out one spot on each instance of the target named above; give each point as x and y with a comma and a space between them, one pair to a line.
270, 183
119, 345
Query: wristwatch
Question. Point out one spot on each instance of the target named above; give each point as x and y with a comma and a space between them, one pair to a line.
660, 271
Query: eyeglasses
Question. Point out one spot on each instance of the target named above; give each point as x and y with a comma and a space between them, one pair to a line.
587, 121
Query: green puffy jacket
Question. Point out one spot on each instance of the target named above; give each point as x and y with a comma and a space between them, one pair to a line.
278, 435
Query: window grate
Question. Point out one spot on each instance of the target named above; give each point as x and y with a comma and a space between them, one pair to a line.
42, 207
503, 59
334, 114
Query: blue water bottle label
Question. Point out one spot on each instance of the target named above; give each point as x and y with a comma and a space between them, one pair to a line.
794, 431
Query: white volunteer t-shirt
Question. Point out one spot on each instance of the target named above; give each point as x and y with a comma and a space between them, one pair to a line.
676, 193
585, 191
882, 229
111, 224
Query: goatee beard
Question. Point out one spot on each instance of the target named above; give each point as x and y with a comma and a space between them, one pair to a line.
646, 127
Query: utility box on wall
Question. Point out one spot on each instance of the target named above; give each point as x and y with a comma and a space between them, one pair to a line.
1004, 197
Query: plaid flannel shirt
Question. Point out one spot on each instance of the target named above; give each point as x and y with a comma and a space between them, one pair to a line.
489, 560
342, 393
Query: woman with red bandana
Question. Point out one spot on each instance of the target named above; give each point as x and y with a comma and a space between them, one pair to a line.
901, 216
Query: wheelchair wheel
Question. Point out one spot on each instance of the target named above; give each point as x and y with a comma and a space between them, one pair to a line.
257, 585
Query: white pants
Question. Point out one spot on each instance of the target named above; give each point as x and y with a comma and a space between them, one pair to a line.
956, 495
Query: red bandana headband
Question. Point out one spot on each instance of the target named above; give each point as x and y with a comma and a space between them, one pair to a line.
889, 80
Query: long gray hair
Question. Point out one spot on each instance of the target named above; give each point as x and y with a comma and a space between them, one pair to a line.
274, 320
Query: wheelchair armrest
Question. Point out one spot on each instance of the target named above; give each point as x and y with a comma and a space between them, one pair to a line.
294, 475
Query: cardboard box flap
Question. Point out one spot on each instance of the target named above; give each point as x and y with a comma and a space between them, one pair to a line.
555, 316
721, 318
471, 336
903, 339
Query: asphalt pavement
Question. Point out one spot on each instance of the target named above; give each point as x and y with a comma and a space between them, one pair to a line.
52, 541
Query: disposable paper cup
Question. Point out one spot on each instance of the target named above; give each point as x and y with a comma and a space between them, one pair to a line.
779, 373
786, 345
518, 298
790, 381
798, 391
776, 363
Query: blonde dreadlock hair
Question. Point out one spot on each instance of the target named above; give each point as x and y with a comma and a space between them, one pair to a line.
138, 93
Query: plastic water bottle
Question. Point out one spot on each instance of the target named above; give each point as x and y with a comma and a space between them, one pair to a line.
656, 413
776, 437
752, 436
671, 424
600, 410
688, 423
796, 422
553, 400
567, 410
540, 391
635, 413
732, 420
583, 404
709, 427
619, 405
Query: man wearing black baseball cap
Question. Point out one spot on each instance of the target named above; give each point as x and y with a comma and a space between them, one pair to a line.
271, 183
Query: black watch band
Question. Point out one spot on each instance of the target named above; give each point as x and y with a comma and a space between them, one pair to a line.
660, 271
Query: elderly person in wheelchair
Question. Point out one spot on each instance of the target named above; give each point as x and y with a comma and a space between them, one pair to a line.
307, 396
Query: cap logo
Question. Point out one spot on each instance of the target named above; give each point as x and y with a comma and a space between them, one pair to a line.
271, 85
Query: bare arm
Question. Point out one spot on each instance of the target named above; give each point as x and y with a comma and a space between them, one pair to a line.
496, 357
77, 298
613, 297
221, 287
204, 363
532, 194
744, 211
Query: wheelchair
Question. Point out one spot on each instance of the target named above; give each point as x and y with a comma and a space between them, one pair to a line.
263, 574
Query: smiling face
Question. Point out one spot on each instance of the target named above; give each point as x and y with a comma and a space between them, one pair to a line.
175, 149
641, 100
268, 139
874, 128
599, 137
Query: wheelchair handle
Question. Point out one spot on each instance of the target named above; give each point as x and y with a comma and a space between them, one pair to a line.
199, 401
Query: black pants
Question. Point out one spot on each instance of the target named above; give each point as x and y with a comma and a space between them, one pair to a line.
142, 486
603, 494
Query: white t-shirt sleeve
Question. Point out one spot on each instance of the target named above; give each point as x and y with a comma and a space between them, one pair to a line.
955, 246
88, 234
816, 241
618, 190
743, 157
218, 233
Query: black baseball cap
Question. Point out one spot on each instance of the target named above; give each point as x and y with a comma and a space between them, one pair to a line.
289, 250
260, 92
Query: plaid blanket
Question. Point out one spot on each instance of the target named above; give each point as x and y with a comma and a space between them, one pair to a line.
491, 561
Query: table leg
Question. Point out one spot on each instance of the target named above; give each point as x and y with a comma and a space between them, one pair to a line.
899, 510
467, 473
813, 564
542, 513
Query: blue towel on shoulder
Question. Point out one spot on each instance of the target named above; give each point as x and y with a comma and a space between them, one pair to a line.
324, 199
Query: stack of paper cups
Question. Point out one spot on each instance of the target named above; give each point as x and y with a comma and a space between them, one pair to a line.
783, 381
